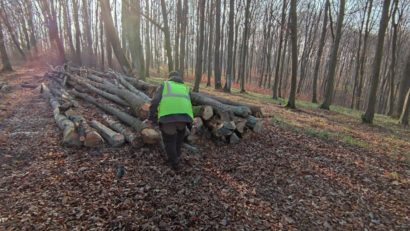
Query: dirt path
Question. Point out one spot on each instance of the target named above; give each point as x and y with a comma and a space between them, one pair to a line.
278, 180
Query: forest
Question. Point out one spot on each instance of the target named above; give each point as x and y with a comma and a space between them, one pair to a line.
301, 114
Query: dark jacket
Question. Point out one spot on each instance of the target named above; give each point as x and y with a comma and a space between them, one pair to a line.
153, 110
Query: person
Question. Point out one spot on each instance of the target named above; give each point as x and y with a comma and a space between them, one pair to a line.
171, 108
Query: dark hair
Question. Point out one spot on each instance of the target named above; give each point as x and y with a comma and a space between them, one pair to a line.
174, 73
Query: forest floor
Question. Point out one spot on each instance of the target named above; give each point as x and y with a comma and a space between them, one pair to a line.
309, 170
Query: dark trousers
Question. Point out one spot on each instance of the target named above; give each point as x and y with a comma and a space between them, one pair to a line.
173, 135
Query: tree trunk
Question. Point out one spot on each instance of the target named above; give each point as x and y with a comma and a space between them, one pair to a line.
77, 33
404, 118
369, 114
217, 63
333, 59
210, 43
113, 138
293, 37
395, 26
4, 57
112, 36
228, 83
282, 29
198, 67
167, 36
134, 40
147, 42
88, 43
182, 45
114, 124
404, 86
244, 46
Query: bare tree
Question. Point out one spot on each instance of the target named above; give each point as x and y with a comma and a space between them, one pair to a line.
4, 57
369, 114
294, 49
333, 58
198, 66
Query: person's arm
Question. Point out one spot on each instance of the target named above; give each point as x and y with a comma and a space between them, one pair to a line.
153, 109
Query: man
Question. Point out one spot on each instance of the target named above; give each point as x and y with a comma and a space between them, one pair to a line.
171, 107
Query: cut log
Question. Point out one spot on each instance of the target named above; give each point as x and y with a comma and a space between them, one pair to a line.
131, 121
130, 87
150, 136
70, 136
116, 125
88, 135
200, 99
204, 111
113, 138
255, 124
148, 88
138, 104
102, 93
255, 110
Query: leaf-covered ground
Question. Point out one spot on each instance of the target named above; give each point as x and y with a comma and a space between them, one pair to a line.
288, 178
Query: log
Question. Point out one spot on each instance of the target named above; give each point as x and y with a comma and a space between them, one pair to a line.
138, 105
255, 124
113, 138
88, 135
116, 125
28, 85
111, 97
130, 87
148, 88
255, 110
70, 136
131, 121
200, 99
204, 111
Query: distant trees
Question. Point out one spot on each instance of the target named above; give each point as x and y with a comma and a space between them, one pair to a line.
249, 45
4, 57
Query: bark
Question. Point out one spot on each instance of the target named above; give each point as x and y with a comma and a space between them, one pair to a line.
70, 136
217, 63
113, 138
167, 36
88, 135
6, 22
135, 44
182, 46
199, 56
67, 25
87, 30
30, 23
200, 99
293, 37
116, 125
149, 135
228, 83
77, 33
404, 118
255, 110
131, 87
210, 42
333, 59
369, 114
404, 86
147, 43
244, 46
3, 52
395, 26
112, 36
282, 30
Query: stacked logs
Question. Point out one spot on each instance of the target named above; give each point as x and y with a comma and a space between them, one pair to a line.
125, 103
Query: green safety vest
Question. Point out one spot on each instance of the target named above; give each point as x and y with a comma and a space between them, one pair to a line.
175, 100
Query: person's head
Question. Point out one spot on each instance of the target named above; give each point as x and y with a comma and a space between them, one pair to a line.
174, 74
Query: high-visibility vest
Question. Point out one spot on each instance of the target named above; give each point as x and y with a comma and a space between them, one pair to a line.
175, 100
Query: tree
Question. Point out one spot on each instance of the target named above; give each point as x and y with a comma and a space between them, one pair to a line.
167, 35
244, 46
211, 36
77, 33
369, 114
4, 57
320, 52
134, 39
198, 66
112, 36
227, 87
404, 118
294, 49
333, 58
217, 64
282, 30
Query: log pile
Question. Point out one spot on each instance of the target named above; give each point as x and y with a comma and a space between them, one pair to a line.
124, 103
